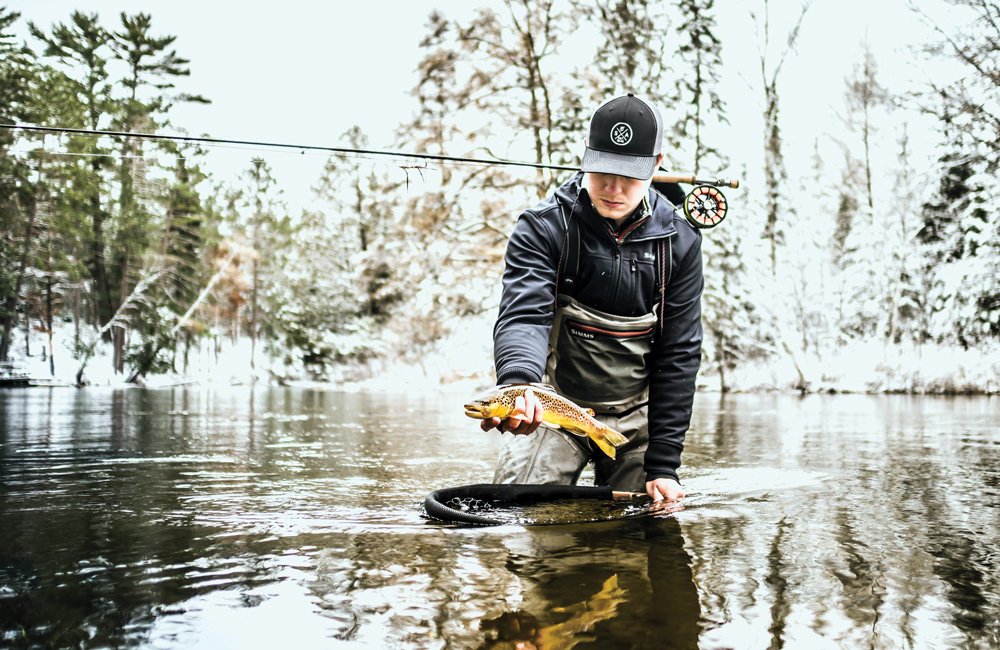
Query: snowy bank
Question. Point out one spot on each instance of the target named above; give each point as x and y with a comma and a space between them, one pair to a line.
463, 361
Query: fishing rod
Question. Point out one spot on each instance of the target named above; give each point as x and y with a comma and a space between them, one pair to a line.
704, 206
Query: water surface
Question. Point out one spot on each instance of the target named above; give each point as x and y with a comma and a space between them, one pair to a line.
232, 518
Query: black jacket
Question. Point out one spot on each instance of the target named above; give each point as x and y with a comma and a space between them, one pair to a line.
617, 275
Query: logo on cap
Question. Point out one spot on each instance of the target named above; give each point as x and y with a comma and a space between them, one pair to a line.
621, 134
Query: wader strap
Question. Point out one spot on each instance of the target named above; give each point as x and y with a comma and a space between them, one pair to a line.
569, 260
665, 266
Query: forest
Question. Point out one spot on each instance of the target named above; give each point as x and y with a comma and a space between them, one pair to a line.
126, 256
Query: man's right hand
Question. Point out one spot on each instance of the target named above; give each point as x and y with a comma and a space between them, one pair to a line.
524, 419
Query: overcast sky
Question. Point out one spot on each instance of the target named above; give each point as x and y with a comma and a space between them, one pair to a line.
305, 72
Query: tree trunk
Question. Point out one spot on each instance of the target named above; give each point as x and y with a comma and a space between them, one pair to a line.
118, 333
27, 333
10, 304
723, 359
772, 173
48, 319
76, 317
253, 323
98, 270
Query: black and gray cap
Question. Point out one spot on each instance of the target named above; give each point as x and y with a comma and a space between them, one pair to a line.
626, 135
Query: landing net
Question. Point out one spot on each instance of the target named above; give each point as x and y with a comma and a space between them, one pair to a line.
489, 504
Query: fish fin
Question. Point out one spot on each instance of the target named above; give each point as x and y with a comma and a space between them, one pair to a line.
575, 432
540, 385
590, 412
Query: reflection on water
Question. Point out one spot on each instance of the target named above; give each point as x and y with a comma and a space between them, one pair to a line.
292, 517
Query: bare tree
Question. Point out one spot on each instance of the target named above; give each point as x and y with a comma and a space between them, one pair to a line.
774, 158
510, 82
864, 95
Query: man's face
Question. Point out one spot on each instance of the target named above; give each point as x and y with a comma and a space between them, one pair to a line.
614, 197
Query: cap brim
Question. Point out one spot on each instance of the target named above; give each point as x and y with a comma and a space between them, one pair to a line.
602, 162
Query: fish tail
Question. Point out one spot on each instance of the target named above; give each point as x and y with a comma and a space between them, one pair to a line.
607, 439
614, 437
604, 446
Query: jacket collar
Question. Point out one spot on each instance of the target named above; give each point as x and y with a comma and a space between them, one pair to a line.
573, 197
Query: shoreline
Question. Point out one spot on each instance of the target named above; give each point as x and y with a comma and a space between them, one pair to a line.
469, 386
463, 361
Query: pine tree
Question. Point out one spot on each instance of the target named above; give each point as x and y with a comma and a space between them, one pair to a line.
81, 47
187, 237
729, 314
151, 69
958, 232
699, 54
16, 75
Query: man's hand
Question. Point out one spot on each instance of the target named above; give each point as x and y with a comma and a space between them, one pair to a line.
524, 419
664, 489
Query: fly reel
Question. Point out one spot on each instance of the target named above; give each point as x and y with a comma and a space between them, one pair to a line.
705, 206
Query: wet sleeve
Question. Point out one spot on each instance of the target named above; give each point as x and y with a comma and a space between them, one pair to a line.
676, 359
521, 332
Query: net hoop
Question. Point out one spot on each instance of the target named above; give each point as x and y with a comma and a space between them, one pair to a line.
436, 503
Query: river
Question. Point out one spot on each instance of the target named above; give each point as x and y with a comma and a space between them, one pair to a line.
291, 517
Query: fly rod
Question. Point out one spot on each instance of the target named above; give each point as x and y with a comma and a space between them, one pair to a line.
690, 179
704, 206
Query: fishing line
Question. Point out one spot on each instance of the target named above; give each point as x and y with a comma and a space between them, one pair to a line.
117, 156
284, 145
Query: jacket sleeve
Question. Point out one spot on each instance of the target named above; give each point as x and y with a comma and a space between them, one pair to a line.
676, 359
521, 332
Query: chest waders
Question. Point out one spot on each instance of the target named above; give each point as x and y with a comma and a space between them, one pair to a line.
600, 361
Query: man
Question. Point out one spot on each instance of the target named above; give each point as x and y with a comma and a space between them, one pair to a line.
602, 300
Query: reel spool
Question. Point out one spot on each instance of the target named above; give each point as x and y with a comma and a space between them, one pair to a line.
705, 206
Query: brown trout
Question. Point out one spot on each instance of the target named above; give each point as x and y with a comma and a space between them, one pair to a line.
560, 413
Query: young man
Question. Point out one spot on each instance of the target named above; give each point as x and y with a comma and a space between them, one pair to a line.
602, 300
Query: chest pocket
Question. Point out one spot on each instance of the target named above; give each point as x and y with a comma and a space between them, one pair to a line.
642, 274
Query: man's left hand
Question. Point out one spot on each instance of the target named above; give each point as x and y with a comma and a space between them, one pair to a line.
664, 489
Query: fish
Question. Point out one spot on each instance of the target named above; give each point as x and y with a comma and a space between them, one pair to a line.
560, 413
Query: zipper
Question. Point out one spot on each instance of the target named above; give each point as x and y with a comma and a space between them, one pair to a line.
616, 257
620, 238
626, 334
